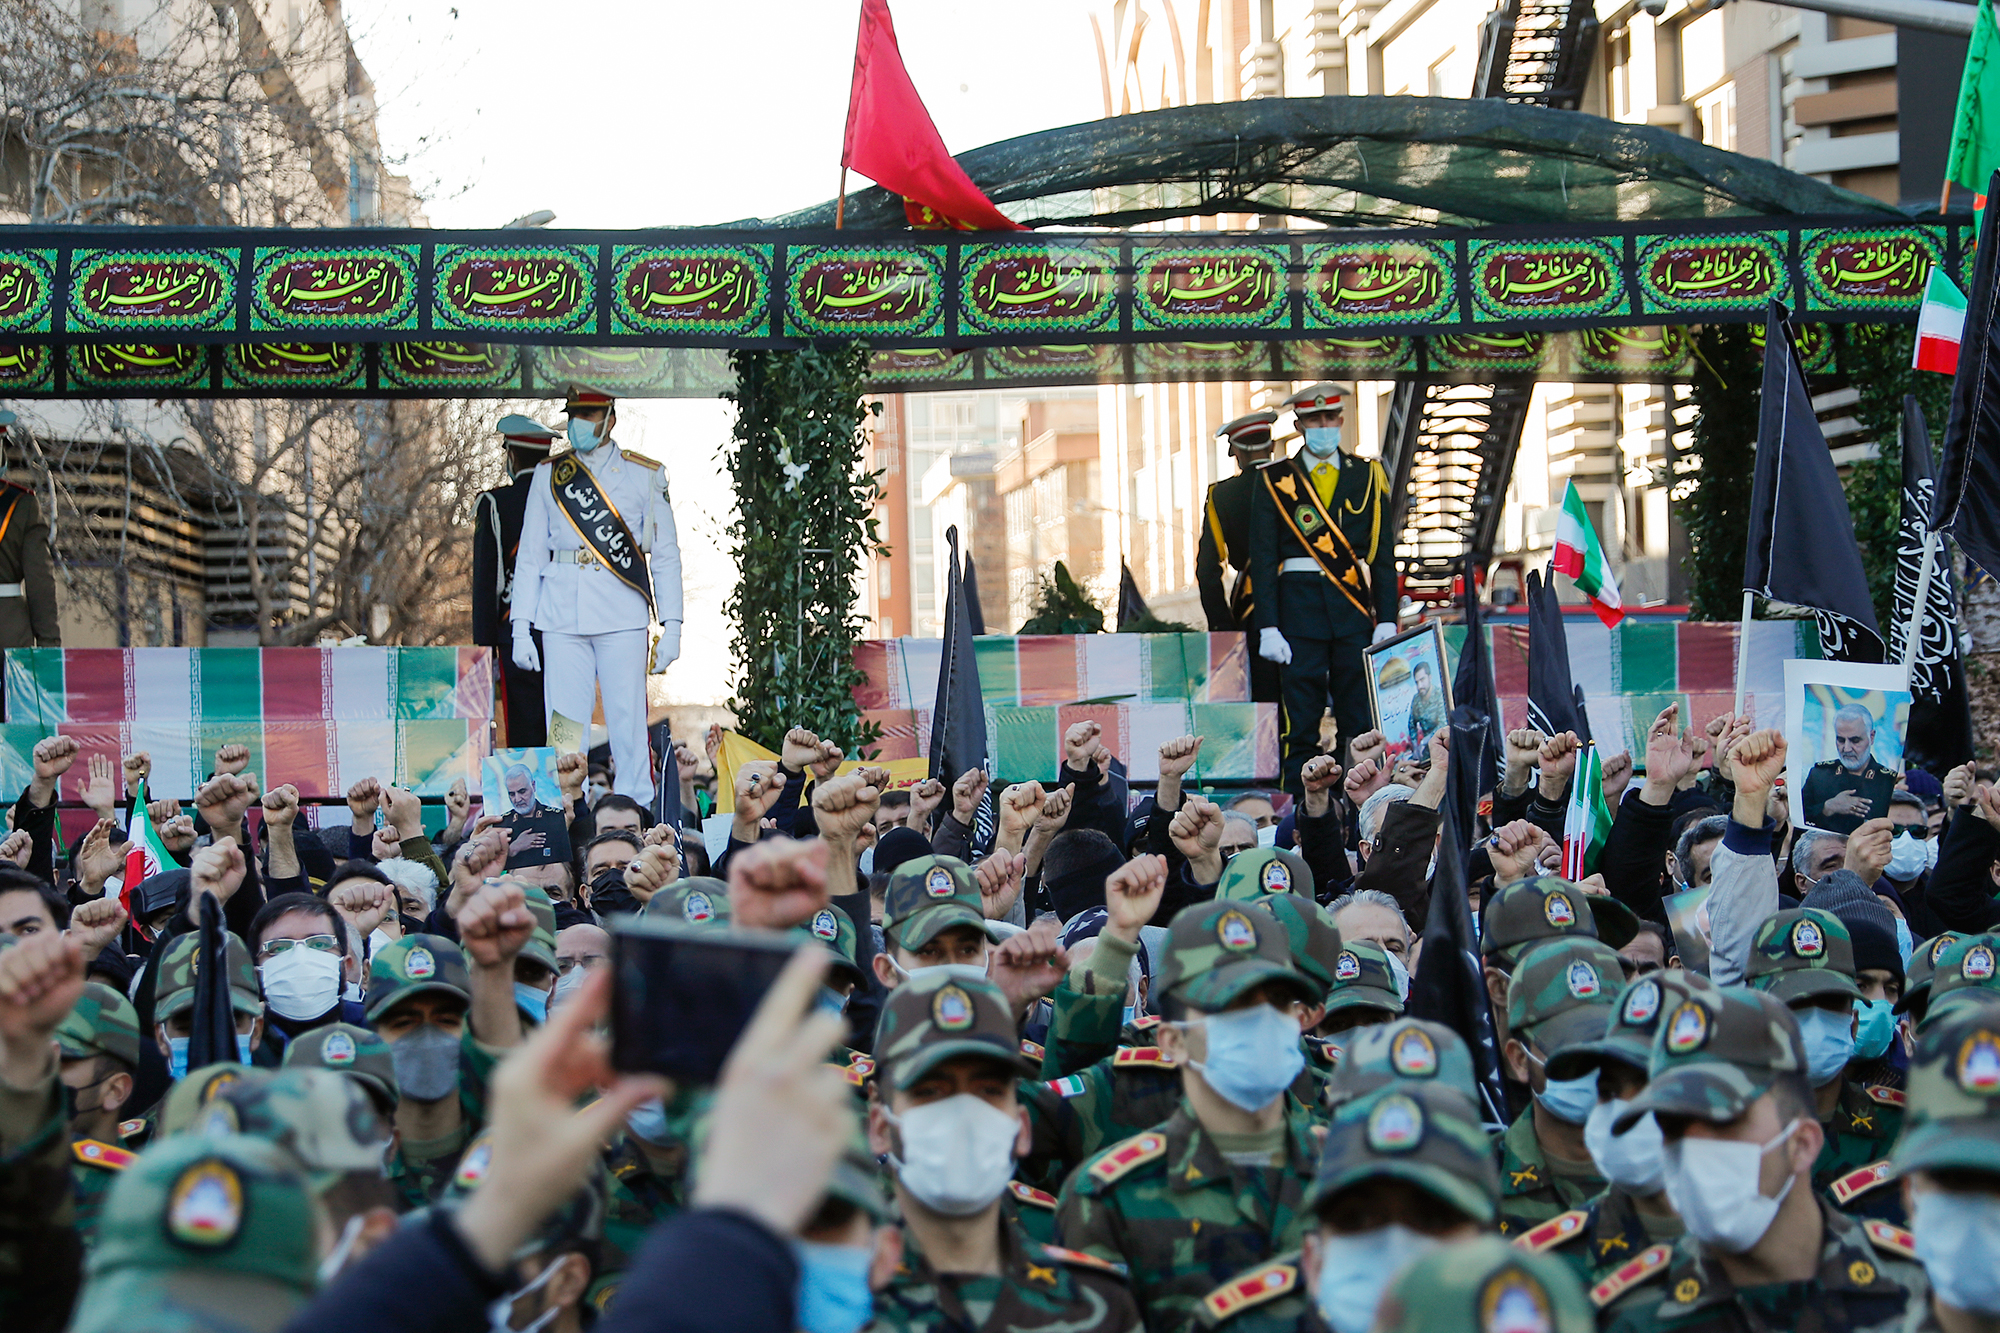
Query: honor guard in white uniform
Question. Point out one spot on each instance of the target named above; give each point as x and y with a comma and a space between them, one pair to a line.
599, 560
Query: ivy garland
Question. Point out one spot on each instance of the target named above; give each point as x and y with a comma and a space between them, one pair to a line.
1713, 473
805, 522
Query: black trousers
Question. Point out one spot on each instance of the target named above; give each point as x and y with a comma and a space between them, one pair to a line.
1322, 671
521, 699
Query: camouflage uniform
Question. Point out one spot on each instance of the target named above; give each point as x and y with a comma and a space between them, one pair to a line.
1167, 1203
1963, 975
1718, 1051
1918, 973
932, 1018
1561, 996
1483, 1284
355, 1052
40, 1254
1541, 907
325, 1123
174, 987
1954, 1115
1362, 981
103, 1023
578, 1225
698, 900
1409, 1050
928, 895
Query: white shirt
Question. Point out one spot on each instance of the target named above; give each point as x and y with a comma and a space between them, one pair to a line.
589, 599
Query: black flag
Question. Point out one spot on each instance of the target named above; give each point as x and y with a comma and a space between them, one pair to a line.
1801, 548
1554, 703
1450, 983
1969, 468
958, 718
1940, 734
214, 1038
1131, 606
1477, 742
972, 607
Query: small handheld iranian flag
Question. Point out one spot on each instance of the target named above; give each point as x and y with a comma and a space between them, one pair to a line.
147, 855
1579, 556
1587, 822
1940, 324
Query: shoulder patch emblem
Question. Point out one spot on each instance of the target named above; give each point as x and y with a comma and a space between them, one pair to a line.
1069, 1085
1513, 1301
472, 1166
1560, 912
1129, 1057
1895, 1097
1252, 1288
1629, 1275
127, 1128
1135, 1151
418, 965
1413, 1054
1859, 1181
1030, 1195
1081, 1260
92, 1153
205, 1206
1552, 1232
1891, 1239
1808, 940
1031, 1049
1235, 933
1978, 1065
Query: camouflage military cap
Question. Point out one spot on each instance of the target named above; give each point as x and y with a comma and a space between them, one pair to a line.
1967, 964
833, 929
1953, 1116
1919, 970
541, 946
103, 1023
356, 1052
1562, 992
415, 965
1257, 871
928, 895
1957, 1004
1410, 1050
1528, 910
1362, 979
1309, 933
202, 1233
188, 1096
1717, 1051
700, 901
175, 986
578, 1221
328, 1124
1218, 950
1802, 954
1485, 1285
1424, 1133
941, 1013
1635, 1023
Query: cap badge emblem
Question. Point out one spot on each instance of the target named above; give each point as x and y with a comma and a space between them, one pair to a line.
1642, 1005
1395, 1125
938, 883
1413, 1054
1277, 877
1346, 967
339, 1049
1235, 932
698, 907
1584, 983
824, 926
418, 965
1513, 1302
1940, 944
1560, 911
1979, 1063
1687, 1030
205, 1206
1808, 940
952, 1009
1978, 964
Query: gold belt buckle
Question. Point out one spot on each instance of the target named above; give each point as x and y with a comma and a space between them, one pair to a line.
585, 558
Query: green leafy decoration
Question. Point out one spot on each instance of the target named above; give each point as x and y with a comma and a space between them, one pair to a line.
1713, 474
805, 522
1063, 607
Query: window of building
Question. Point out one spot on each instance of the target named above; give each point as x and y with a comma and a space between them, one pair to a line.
1618, 56
1715, 117
1440, 80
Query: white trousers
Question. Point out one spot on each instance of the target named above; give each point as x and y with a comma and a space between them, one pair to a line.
575, 667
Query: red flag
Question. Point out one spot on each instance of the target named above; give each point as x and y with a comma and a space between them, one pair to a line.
892, 141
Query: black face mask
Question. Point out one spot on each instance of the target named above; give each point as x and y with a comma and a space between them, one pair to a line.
609, 895
70, 1108
412, 925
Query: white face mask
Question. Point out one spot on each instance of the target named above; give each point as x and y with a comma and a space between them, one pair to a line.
958, 1153
1354, 1271
1906, 858
1634, 1160
301, 982
1958, 1241
1714, 1185
501, 1311
1400, 973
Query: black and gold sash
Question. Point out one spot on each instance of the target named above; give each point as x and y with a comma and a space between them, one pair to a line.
1242, 601
1292, 492
596, 520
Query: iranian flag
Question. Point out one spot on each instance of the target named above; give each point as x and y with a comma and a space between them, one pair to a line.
1579, 556
147, 855
1940, 324
1587, 822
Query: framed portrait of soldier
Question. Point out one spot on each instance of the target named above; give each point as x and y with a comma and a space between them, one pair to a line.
1845, 723
520, 787
1409, 689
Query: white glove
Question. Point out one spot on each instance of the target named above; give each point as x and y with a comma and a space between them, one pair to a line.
1383, 632
668, 650
525, 656
1271, 646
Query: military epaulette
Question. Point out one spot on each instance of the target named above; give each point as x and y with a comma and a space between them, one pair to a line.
1891, 1238
1079, 1259
1895, 1097
1116, 1161
650, 463
1029, 1194
1629, 1275
127, 1128
92, 1153
554, 456
1860, 1181
1130, 1056
1252, 1288
1552, 1232
857, 1069
1031, 1049
1145, 1022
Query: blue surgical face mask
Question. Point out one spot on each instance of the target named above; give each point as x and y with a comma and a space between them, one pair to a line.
1905, 944
1570, 1100
833, 1294
242, 1048
831, 1000
1875, 1029
1355, 1270
1829, 1043
1322, 441
1125, 1015
532, 1001
1253, 1055
649, 1121
583, 435
177, 1054
1958, 1240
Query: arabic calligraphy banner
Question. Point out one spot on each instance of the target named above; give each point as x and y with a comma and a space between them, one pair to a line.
106, 311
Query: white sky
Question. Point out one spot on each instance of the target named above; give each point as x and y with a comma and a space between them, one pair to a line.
623, 113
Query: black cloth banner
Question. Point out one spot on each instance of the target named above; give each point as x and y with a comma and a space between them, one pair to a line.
1940, 734
1555, 704
213, 1040
958, 720
1472, 688
1449, 986
1131, 605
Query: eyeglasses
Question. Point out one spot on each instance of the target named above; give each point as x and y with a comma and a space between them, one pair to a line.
589, 961
323, 943
1228, 852
1918, 831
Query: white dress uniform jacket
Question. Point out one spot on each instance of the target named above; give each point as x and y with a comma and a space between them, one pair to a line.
559, 594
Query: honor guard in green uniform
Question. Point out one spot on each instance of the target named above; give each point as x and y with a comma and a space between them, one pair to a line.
1563, 995
1963, 975
1843, 792
1323, 564
27, 579
1220, 1186
1762, 1249
948, 1120
1225, 543
1483, 1285
100, 1061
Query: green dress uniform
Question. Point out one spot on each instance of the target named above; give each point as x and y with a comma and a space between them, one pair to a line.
41, 1255
1859, 1135
419, 1171
1532, 1190
1829, 778
1039, 1287
1611, 1246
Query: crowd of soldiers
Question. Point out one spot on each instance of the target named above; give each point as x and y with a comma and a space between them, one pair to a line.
1117, 1065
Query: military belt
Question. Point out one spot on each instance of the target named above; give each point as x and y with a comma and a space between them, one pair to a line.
13, 590
1299, 564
